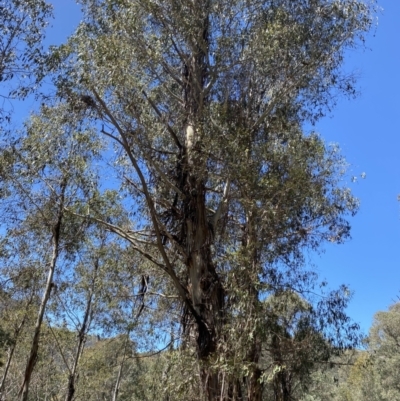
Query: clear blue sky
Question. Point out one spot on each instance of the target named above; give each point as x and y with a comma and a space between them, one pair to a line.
367, 129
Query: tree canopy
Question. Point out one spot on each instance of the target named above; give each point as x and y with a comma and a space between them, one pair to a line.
169, 191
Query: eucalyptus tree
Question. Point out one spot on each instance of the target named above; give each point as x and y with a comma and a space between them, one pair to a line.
22, 30
363, 381
298, 352
75, 308
38, 191
100, 298
3, 340
204, 103
370, 374
383, 342
19, 296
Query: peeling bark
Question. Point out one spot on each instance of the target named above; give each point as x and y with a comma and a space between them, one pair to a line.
205, 288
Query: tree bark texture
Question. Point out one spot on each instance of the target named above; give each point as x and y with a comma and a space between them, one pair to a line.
205, 288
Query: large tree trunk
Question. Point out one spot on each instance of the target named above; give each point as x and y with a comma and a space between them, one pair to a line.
204, 285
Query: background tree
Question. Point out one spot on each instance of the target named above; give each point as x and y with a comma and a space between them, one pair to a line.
330, 381
383, 342
19, 297
371, 373
22, 28
37, 193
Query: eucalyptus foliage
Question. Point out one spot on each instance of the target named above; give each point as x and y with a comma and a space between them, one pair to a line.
22, 28
383, 342
179, 128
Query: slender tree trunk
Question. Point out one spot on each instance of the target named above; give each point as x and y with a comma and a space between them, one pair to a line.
23, 393
12, 350
117, 383
282, 390
253, 384
81, 338
254, 388
7, 367
234, 391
